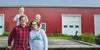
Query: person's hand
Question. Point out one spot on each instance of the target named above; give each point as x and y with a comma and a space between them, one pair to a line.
28, 47
38, 29
9, 47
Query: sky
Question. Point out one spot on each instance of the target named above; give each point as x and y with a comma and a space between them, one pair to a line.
58, 3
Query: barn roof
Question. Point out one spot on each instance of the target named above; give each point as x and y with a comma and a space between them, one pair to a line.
50, 3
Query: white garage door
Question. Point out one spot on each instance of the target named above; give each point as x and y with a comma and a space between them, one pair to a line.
71, 24
1, 24
97, 24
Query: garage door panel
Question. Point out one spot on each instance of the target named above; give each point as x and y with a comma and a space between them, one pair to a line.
1, 24
71, 18
97, 24
71, 24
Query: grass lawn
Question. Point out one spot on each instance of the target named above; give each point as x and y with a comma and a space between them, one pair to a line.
84, 37
59, 37
47, 37
67, 37
3, 36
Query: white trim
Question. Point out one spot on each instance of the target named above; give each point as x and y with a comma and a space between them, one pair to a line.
73, 15
45, 26
94, 23
3, 22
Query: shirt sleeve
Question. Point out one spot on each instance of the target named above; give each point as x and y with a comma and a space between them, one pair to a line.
11, 36
26, 18
29, 36
30, 41
45, 40
15, 18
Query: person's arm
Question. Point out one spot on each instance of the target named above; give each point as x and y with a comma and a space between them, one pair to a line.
26, 18
15, 19
11, 36
29, 37
45, 40
30, 40
40, 26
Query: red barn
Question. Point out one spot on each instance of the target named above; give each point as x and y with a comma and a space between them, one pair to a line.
62, 16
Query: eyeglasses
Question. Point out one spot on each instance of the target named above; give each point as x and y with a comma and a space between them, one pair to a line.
34, 24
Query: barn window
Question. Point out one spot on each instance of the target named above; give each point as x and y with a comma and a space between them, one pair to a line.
65, 26
70, 26
44, 26
76, 26
0, 26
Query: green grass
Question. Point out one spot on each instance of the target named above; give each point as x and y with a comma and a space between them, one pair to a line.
3, 36
47, 37
60, 37
86, 37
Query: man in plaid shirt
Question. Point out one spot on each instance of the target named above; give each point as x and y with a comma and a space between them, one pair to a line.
20, 35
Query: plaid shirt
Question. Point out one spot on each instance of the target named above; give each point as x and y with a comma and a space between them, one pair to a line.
20, 36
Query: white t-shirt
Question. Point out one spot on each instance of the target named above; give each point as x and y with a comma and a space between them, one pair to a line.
16, 18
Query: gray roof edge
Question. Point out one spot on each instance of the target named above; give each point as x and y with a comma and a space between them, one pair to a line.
50, 6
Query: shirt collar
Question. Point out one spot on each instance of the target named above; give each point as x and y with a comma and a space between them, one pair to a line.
22, 27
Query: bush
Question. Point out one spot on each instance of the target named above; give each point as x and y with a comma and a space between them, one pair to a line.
7, 27
65, 35
88, 38
6, 34
61, 35
58, 35
98, 36
50, 35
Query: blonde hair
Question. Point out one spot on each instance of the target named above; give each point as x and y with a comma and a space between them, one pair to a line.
38, 15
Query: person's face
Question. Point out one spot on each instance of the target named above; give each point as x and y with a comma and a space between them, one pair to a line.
21, 10
38, 18
23, 21
34, 25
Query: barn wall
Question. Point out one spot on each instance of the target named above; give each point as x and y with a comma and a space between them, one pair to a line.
52, 17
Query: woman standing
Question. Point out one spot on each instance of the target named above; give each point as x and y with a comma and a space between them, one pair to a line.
37, 38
